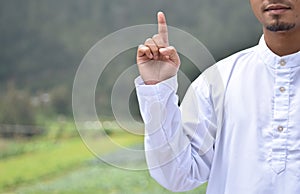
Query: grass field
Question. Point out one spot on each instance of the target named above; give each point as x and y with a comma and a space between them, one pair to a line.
101, 179
67, 166
54, 159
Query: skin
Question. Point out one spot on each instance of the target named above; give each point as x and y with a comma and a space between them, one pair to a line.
158, 61
284, 41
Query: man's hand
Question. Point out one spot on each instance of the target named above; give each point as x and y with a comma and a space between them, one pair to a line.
157, 61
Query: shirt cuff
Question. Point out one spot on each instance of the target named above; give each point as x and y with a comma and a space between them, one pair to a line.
149, 90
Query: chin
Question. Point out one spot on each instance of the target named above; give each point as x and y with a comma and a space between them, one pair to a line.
280, 27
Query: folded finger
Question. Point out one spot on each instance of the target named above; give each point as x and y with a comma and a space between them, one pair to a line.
171, 53
144, 51
152, 46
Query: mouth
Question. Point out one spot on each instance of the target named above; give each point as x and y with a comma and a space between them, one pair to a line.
276, 8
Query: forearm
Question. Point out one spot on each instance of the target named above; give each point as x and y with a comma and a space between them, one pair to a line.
171, 157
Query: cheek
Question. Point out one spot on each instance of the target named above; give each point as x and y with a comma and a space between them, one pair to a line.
255, 5
297, 16
259, 15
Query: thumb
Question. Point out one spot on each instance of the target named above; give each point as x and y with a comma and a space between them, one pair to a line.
171, 53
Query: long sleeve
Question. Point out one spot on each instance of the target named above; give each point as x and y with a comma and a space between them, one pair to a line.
178, 140
237, 126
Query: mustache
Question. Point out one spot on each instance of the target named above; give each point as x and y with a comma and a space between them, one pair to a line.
278, 1
284, 2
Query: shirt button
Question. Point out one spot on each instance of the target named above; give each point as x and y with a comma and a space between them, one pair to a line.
280, 128
282, 62
282, 89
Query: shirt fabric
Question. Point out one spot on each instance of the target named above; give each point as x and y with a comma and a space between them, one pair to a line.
238, 127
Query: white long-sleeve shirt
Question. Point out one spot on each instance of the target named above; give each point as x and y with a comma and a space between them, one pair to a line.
238, 127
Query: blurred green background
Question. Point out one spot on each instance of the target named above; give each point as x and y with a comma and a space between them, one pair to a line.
42, 44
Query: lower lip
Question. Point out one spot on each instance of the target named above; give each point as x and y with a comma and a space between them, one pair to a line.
277, 11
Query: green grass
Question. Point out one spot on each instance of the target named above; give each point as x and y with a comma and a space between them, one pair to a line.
58, 158
65, 165
101, 179
11, 148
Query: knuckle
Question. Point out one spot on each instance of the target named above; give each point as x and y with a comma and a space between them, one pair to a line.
172, 48
158, 40
154, 49
164, 30
148, 41
155, 36
141, 47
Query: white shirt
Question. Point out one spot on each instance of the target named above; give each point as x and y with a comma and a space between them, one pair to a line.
238, 126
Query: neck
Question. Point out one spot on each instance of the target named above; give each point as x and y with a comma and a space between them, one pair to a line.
283, 43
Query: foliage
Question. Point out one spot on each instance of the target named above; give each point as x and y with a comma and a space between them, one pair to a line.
60, 100
17, 115
43, 42
16, 107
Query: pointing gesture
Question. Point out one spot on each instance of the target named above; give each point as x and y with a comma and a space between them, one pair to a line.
157, 61
162, 28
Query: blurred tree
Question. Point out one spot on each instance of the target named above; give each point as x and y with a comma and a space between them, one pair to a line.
16, 108
60, 100
17, 115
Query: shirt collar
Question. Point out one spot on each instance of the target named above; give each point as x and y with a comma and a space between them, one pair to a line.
276, 61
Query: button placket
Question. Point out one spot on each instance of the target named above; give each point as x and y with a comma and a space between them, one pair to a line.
280, 116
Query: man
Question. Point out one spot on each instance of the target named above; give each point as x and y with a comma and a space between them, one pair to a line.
238, 127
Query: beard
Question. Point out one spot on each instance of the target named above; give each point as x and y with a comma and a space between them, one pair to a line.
280, 27
278, 24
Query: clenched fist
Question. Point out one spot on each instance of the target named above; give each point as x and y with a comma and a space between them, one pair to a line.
157, 61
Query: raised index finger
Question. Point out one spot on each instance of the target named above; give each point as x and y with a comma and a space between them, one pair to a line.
162, 27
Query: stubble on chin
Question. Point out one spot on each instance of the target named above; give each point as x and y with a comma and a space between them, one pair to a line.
280, 27
277, 25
